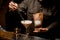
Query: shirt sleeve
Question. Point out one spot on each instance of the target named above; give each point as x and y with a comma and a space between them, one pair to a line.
23, 5
52, 25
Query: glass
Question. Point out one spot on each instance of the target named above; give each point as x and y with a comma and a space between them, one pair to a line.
38, 18
26, 23
38, 25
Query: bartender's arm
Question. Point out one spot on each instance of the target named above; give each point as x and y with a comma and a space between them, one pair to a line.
13, 6
51, 26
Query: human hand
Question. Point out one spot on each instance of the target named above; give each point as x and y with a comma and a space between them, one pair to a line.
40, 30
43, 29
13, 6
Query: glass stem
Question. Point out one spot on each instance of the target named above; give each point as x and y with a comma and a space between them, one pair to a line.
26, 29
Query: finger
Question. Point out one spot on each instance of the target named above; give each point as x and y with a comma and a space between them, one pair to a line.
10, 5
12, 2
47, 29
43, 29
14, 7
16, 4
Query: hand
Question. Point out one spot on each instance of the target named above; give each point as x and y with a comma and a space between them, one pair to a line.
13, 6
40, 30
43, 29
36, 30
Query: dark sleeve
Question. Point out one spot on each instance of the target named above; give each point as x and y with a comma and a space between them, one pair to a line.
55, 19
47, 12
18, 1
23, 5
53, 25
